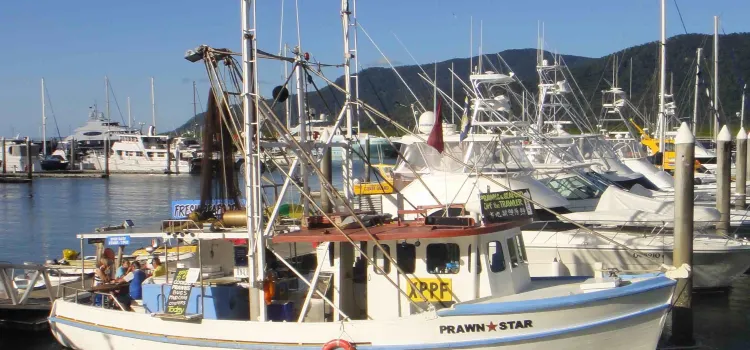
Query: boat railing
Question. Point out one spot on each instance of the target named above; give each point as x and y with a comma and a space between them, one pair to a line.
82, 296
180, 225
9, 291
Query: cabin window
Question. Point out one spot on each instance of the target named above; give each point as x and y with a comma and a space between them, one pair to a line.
406, 257
380, 259
443, 258
139, 154
496, 256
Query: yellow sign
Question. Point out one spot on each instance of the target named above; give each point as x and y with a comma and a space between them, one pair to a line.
373, 188
434, 289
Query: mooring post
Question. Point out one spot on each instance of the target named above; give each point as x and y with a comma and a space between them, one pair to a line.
29, 164
723, 169
169, 155
682, 313
5, 169
325, 168
367, 159
106, 157
177, 159
72, 160
741, 167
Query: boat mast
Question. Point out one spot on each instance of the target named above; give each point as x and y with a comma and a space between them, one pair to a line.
106, 98
44, 122
697, 85
153, 106
662, 77
742, 107
256, 242
130, 119
716, 77
471, 45
348, 55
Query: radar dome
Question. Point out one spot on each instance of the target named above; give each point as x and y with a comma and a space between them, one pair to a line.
426, 121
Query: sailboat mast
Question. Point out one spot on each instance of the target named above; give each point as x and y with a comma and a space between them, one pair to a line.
44, 122
195, 107
106, 99
471, 45
662, 76
153, 106
697, 86
252, 162
130, 118
716, 77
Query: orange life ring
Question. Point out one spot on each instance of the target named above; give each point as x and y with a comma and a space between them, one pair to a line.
339, 344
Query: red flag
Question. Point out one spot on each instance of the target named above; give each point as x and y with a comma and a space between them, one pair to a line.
436, 135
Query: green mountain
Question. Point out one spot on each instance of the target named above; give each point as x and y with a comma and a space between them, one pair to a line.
382, 88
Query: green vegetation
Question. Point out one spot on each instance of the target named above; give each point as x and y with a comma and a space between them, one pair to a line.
381, 88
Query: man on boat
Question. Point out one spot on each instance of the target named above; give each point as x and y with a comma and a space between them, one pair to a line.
158, 267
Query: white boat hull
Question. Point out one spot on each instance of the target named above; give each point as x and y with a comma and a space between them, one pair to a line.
712, 268
136, 165
628, 317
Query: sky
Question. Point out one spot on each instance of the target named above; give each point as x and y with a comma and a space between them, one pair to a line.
73, 45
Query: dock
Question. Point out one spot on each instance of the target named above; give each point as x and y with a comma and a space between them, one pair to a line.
77, 174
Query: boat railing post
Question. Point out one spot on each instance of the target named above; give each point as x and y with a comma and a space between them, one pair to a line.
83, 266
741, 166
723, 180
682, 313
29, 164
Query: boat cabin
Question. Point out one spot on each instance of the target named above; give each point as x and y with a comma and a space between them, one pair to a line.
423, 267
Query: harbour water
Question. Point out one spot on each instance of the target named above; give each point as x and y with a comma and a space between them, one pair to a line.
42, 219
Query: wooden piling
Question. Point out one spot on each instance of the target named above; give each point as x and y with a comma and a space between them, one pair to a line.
682, 313
169, 155
106, 157
741, 167
5, 169
723, 180
29, 163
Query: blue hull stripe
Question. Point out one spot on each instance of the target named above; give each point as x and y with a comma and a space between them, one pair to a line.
562, 302
446, 345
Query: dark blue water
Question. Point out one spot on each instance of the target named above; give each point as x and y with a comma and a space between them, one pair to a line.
38, 221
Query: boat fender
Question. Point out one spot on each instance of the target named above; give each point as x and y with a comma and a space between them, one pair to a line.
339, 344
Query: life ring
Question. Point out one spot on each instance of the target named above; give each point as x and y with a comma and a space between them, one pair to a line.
339, 344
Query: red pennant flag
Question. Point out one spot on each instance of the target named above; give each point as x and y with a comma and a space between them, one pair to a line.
436, 135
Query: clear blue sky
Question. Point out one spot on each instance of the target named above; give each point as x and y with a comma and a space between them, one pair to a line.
74, 44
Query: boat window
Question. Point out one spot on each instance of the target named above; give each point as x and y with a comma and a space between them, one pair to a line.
443, 258
380, 259
496, 256
574, 188
139, 154
513, 251
406, 257
521, 248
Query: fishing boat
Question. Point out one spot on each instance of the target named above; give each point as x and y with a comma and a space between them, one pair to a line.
442, 283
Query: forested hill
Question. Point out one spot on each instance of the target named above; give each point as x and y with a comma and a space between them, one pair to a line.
381, 87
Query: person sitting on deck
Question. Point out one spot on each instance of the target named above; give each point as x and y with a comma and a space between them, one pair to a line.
158, 268
101, 276
136, 282
123, 270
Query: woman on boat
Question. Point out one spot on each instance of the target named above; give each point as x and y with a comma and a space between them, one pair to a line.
101, 276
